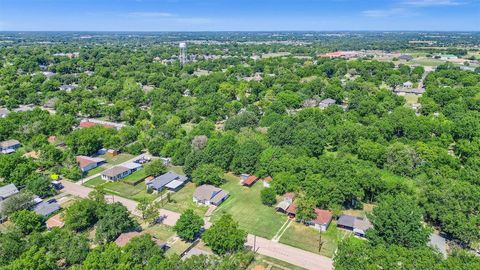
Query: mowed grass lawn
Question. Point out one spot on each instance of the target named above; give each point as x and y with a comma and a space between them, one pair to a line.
97, 181
245, 206
120, 158
306, 238
183, 200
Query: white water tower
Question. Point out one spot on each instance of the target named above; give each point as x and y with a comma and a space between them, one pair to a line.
183, 53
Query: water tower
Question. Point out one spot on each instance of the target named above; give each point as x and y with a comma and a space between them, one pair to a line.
183, 53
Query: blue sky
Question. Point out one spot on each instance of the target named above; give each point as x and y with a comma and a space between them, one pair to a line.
225, 15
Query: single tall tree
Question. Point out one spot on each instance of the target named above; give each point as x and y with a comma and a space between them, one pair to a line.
188, 225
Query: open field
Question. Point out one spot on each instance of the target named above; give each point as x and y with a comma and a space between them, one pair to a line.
411, 98
117, 159
306, 238
122, 189
183, 200
245, 206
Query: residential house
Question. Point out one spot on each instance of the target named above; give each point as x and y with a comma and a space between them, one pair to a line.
266, 181
4, 112
408, 84
405, 57
209, 195
326, 102
9, 146
68, 87
250, 180
8, 191
358, 225
119, 172
45, 209
90, 122
169, 180
286, 202
292, 210
89, 163
322, 220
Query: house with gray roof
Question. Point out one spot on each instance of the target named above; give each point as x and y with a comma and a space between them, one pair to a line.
169, 180
358, 225
7, 191
119, 172
209, 195
45, 209
326, 102
9, 146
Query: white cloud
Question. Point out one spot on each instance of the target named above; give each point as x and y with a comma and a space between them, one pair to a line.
430, 3
377, 13
150, 14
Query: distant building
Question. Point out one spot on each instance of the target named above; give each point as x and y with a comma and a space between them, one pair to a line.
326, 102
209, 195
358, 225
4, 112
169, 180
9, 146
119, 172
340, 54
68, 87
405, 57
8, 191
408, 84
89, 122
88, 163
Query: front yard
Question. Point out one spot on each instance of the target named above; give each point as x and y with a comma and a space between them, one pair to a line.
183, 200
245, 205
306, 238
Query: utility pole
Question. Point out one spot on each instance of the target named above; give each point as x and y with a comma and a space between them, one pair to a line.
255, 243
320, 242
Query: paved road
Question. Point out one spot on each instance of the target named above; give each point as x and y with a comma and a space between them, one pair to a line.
82, 192
263, 246
86, 179
302, 258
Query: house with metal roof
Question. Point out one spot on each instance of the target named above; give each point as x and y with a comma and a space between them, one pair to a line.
9, 146
169, 180
7, 191
119, 172
46, 209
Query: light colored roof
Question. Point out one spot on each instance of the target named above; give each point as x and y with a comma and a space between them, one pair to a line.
8, 190
9, 143
174, 184
131, 165
206, 192
114, 171
85, 161
283, 205
219, 196
55, 221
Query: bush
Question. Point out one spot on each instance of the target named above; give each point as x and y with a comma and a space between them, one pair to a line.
268, 196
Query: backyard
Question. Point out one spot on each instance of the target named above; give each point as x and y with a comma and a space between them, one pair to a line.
120, 158
306, 238
183, 200
245, 205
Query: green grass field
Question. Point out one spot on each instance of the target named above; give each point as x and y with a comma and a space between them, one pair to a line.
95, 171
97, 181
117, 159
135, 177
183, 200
306, 238
160, 231
245, 206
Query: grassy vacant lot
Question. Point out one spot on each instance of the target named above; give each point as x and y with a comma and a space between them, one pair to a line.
117, 159
160, 231
135, 177
245, 206
179, 247
183, 200
306, 238
411, 98
97, 181
95, 171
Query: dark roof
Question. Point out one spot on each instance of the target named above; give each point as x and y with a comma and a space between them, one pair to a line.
346, 221
166, 178
46, 209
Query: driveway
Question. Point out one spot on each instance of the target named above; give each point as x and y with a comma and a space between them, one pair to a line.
302, 258
82, 192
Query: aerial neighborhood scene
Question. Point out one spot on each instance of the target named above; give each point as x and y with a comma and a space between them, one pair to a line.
257, 135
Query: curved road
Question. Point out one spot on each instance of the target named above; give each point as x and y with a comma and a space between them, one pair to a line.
295, 256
